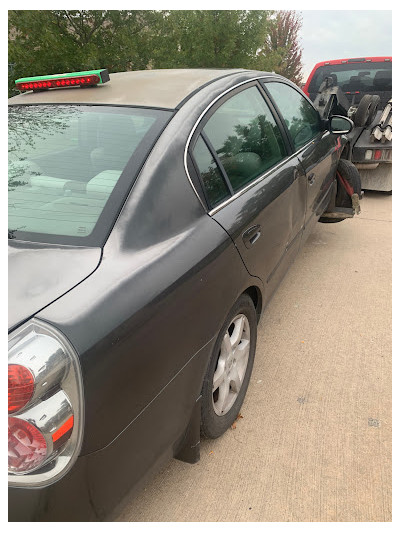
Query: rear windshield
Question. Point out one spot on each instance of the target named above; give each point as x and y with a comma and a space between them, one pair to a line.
71, 167
364, 77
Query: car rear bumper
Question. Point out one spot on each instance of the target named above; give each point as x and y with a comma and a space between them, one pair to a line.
95, 487
66, 500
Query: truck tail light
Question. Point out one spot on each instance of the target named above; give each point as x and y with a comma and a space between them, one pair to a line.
377, 154
20, 387
45, 402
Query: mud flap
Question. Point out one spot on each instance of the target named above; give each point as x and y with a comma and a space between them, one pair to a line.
378, 179
189, 447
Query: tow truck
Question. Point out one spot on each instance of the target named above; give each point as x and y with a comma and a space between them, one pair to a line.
360, 89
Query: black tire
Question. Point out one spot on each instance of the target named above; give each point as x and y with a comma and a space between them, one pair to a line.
214, 425
363, 110
373, 109
350, 173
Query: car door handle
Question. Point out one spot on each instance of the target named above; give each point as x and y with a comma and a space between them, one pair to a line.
311, 178
251, 235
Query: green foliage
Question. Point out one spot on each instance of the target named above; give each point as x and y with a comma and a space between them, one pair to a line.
56, 41
200, 39
51, 42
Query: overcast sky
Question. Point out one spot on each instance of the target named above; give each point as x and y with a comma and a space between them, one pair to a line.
343, 34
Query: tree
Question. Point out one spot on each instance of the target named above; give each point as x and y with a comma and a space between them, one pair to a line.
210, 38
56, 41
281, 47
50, 42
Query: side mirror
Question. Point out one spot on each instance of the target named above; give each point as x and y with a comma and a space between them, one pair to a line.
339, 124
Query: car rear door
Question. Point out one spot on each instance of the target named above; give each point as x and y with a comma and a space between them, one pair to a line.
254, 188
314, 146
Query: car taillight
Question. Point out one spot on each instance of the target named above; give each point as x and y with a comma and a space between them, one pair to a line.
20, 387
27, 448
45, 399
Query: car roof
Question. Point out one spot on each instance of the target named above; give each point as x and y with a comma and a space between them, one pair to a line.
164, 88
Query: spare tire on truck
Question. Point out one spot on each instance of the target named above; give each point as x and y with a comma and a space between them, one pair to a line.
363, 111
348, 183
373, 109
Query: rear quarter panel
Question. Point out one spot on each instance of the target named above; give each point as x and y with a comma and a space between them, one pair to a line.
167, 279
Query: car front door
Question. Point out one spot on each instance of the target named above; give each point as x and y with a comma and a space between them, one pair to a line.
314, 146
255, 188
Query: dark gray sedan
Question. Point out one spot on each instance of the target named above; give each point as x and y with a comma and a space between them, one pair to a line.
152, 215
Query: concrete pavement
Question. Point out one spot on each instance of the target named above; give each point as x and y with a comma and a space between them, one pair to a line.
314, 443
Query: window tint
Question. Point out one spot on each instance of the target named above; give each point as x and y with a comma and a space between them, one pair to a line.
214, 184
301, 117
245, 137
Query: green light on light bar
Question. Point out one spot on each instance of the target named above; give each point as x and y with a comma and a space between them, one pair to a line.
101, 73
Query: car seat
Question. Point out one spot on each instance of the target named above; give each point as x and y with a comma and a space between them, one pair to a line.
353, 84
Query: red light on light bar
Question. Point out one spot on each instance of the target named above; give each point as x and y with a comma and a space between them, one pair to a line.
377, 154
73, 81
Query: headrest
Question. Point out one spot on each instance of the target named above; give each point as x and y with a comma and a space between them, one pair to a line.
243, 163
334, 78
383, 80
102, 185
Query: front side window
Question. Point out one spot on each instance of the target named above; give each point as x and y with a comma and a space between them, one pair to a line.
245, 137
66, 161
302, 119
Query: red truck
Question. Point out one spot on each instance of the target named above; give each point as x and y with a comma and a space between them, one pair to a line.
360, 89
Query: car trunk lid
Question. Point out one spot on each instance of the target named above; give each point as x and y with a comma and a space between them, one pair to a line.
41, 273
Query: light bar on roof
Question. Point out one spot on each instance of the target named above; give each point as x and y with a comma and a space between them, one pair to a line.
89, 78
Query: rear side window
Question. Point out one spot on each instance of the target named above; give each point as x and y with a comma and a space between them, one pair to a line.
214, 184
301, 118
245, 137
65, 164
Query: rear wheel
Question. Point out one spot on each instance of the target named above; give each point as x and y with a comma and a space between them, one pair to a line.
229, 370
